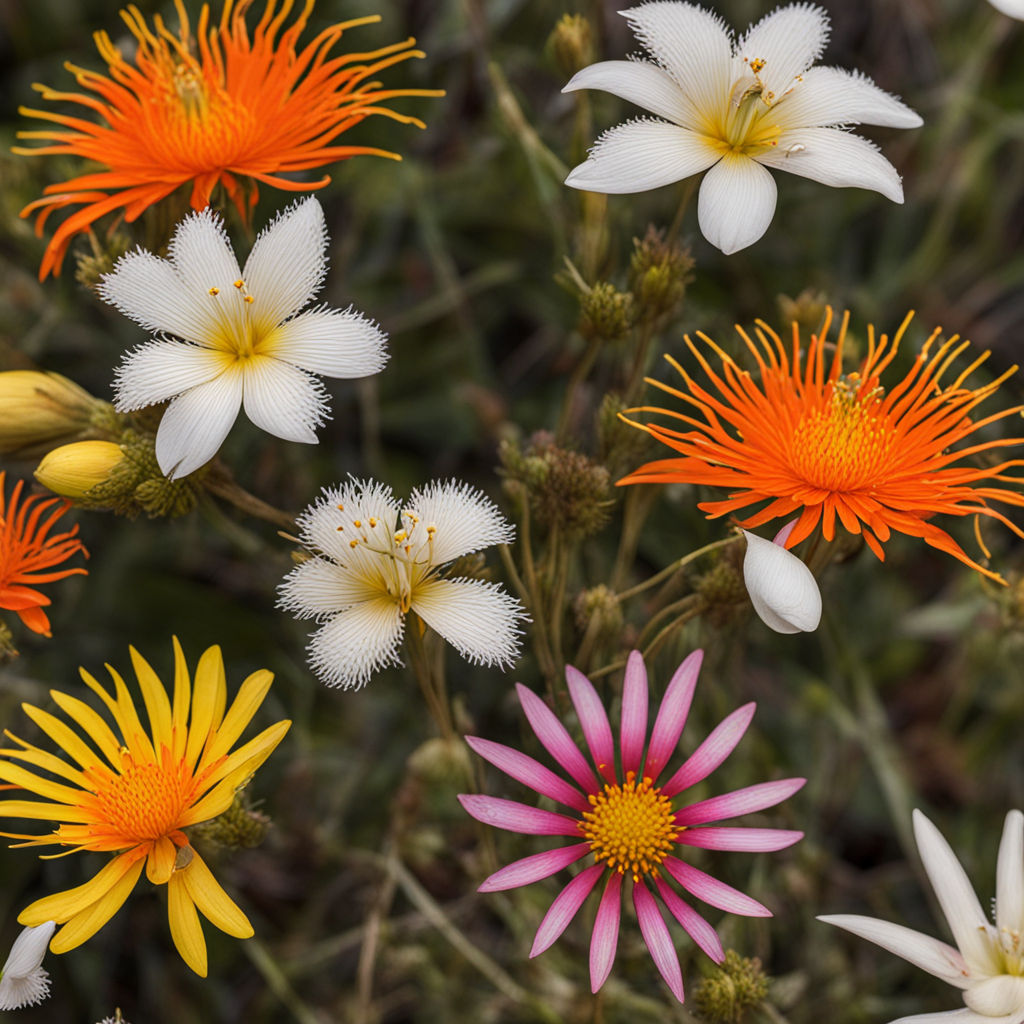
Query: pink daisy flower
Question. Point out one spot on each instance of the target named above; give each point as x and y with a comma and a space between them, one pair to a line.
634, 827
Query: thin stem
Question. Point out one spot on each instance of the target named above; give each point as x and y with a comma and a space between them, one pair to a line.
579, 375
689, 187
278, 983
219, 481
634, 513
675, 567
432, 689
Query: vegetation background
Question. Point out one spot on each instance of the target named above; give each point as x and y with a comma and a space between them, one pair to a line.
911, 694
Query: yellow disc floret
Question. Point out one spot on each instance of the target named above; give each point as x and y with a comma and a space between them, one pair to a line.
631, 826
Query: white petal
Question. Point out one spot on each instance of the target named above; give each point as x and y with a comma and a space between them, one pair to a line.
283, 400
149, 291
835, 158
828, 96
931, 955
354, 645
465, 518
1010, 875
788, 41
736, 203
318, 588
1012, 8
478, 619
962, 1016
641, 155
203, 258
956, 897
782, 589
287, 264
17, 991
329, 341
640, 82
159, 370
995, 997
693, 45
341, 507
29, 949
195, 424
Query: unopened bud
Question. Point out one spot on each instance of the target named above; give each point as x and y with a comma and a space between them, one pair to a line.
738, 984
659, 273
807, 310
598, 603
238, 827
606, 314
38, 410
571, 43
782, 589
73, 470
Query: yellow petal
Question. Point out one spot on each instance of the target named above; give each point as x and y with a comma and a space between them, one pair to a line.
43, 811
136, 738
154, 694
109, 701
218, 907
62, 906
88, 922
47, 761
160, 862
92, 724
18, 776
63, 736
243, 707
209, 695
186, 930
182, 699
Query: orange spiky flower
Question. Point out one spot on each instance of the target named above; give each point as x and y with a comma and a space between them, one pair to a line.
221, 107
26, 548
833, 446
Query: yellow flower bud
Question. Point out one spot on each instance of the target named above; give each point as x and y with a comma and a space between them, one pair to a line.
38, 409
72, 470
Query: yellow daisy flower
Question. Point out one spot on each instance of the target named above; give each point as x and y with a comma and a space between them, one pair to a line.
135, 795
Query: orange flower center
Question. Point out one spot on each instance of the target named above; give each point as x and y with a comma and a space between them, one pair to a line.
631, 826
846, 444
146, 800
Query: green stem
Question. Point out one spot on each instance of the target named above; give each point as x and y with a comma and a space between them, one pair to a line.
675, 567
433, 689
579, 375
218, 480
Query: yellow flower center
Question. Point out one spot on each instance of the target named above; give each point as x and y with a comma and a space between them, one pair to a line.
631, 826
1009, 951
145, 800
846, 444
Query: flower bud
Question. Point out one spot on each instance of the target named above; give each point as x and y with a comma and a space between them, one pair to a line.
738, 984
72, 470
23, 982
39, 409
660, 270
571, 43
782, 589
606, 314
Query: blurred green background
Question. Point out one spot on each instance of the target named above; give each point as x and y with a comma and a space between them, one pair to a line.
910, 694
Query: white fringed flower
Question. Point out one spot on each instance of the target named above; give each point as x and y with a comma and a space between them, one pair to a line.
374, 562
782, 589
734, 111
988, 965
23, 981
239, 338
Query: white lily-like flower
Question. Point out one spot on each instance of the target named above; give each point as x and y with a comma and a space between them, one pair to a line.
1011, 8
375, 561
988, 963
735, 111
23, 980
782, 589
239, 338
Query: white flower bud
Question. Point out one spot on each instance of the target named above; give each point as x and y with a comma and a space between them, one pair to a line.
782, 589
23, 982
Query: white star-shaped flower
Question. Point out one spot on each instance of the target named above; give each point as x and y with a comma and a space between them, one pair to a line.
374, 562
23, 980
230, 338
734, 111
987, 963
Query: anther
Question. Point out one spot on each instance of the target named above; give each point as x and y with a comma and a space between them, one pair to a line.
239, 283
214, 291
353, 543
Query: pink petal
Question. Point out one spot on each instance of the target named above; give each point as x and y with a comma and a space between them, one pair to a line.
659, 942
633, 724
605, 937
783, 535
740, 801
693, 924
526, 770
564, 908
746, 840
712, 891
534, 868
594, 720
515, 817
675, 706
555, 740
720, 743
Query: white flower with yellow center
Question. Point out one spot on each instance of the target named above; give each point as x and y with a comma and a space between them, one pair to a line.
734, 111
239, 340
374, 562
987, 964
